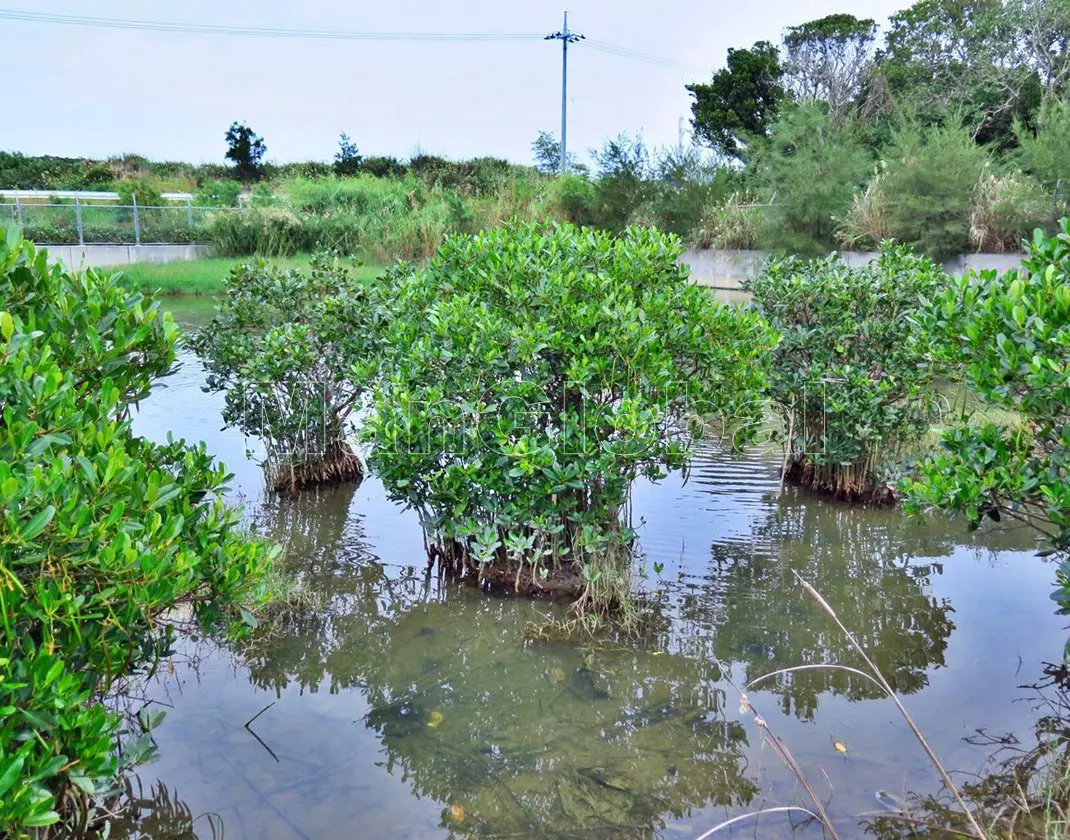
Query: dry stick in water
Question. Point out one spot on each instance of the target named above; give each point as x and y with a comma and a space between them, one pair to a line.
883, 683
784, 754
741, 817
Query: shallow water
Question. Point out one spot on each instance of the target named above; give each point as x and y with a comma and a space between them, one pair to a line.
406, 708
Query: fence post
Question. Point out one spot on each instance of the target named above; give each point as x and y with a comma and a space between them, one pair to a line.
78, 218
18, 211
137, 221
189, 212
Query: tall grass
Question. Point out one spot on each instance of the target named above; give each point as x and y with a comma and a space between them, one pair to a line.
383, 218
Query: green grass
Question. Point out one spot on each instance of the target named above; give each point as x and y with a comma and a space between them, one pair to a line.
203, 277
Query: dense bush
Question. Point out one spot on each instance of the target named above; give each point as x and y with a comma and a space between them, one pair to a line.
291, 350
1011, 334
1042, 152
808, 170
102, 533
536, 371
1005, 208
848, 377
731, 223
929, 186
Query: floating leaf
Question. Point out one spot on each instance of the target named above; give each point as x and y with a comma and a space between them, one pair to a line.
456, 813
557, 675
435, 720
840, 748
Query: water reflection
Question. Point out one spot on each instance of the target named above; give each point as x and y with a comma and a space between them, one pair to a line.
865, 567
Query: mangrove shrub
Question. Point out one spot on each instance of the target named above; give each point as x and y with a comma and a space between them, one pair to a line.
291, 350
536, 372
1011, 333
102, 534
848, 377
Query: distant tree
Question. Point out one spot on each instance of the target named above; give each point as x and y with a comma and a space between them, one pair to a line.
1044, 32
547, 152
829, 60
742, 100
347, 160
962, 57
245, 149
808, 170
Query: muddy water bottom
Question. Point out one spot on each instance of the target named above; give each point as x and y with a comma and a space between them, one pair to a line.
401, 707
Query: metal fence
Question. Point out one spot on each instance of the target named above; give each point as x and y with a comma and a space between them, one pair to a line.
80, 222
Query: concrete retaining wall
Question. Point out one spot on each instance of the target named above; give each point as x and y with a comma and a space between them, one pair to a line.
77, 257
728, 269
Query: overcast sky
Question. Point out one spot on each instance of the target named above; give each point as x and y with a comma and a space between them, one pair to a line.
80, 91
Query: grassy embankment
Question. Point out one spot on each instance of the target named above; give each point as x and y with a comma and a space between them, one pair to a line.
204, 277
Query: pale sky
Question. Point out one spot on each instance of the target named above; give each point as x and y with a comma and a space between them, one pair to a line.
78, 91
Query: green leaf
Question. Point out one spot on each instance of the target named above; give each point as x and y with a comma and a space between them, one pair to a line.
38, 523
41, 820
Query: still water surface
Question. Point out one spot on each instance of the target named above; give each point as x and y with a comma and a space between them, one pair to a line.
406, 708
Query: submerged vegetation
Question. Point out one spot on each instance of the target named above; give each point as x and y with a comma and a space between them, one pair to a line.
103, 535
848, 378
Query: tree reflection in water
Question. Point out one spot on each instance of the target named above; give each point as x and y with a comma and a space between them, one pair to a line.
562, 740
865, 567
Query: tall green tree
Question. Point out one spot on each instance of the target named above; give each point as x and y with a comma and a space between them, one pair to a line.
740, 102
246, 150
961, 57
347, 160
1043, 28
808, 170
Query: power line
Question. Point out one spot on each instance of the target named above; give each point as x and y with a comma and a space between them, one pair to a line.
321, 34
258, 31
627, 52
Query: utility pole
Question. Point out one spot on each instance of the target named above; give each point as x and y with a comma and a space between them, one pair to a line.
566, 38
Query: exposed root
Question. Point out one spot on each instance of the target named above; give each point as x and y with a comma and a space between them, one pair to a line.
340, 464
844, 483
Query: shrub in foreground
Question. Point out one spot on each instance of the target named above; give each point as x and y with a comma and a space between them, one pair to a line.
848, 377
535, 372
102, 534
1011, 333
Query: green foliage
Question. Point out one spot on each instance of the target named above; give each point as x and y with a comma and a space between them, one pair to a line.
1011, 334
929, 186
246, 150
623, 183
146, 195
956, 60
1006, 207
291, 350
546, 150
809, 170
347, 159
102, 533
740, 102
572, 199
848, 377
217, 192
1043, 153
536, 372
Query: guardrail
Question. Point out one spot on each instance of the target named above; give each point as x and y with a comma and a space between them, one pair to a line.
80, 221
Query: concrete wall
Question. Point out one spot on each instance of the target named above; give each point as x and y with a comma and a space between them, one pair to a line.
94, 256
728, 269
